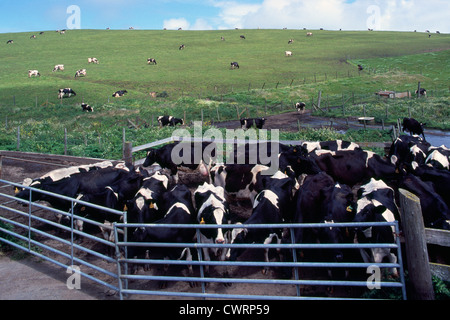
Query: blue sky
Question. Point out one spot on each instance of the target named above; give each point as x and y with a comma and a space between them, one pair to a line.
398, 15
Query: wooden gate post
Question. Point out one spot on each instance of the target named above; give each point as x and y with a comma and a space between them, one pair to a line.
127, 152
416, 247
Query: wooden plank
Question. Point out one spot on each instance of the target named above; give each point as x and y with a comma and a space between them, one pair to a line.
441, 271
437, 236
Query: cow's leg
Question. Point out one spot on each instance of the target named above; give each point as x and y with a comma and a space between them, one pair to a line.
268, 240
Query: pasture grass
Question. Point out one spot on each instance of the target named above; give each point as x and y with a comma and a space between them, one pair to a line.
199, 80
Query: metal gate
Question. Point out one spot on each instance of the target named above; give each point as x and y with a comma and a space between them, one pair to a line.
60, 246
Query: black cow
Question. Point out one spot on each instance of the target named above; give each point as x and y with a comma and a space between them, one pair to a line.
119, 93
439, 178
66, 93
353, 166
300, 106
151, 61
413, 126
247, 123
234, 65
178, 208
269, 207
169, 121
86, 107
212, 208
360, 67
242, 37
435, 211
199, 156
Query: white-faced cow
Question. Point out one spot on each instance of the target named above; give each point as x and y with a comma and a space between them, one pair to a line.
58, 67
81, 72
413, 126
33, 73
119, 93
87, 108
66, 93
300, 106
151, 61
212, 209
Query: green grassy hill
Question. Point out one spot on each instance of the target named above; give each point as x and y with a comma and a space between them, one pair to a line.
202, 67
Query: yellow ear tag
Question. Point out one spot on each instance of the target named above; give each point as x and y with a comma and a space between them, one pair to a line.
152, 205
125, 208
203, 221
16, 190
349, 209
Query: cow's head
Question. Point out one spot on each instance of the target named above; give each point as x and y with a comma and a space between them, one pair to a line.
151, 158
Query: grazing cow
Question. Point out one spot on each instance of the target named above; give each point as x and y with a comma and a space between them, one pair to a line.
119, 93
58, 67
93, 60
291, 41
33, 73
360, 67
269, 207
435, 211
151, 61
353, 166
376, 203
332, 145
86, 107
33, 37
212, 208
409, 151
81, 72
288, 53
242, 37
309, 34
234, 65
66, 93
182, 47
169, 121
300, 106
195, 156
247, 123
222, 38
178, 208
423, 92
413, 126
9, 42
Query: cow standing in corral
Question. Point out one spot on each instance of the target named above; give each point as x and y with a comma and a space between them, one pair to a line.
66, 93
33, 73
81, 72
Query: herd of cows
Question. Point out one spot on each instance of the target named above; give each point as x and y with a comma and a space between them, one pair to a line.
316, 182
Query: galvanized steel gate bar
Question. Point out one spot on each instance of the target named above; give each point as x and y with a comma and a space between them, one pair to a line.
121, 276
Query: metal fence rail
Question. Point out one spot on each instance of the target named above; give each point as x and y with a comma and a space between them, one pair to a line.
26, 232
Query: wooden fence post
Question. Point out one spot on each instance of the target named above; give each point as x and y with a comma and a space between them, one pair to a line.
127, 153
18, 138
416, 247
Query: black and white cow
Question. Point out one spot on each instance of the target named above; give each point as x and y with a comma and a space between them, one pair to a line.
59, 67
438, 157
439, 178
9, 42
409, 151
331, 145
119, 93
247, 123
376, 203
33, 73
413, 126
81, 72
269, 207
353, 166
181, 47
151, 61
300, 106
169, 121
66, 93
195, 156
93, 60
178, 208
234, 65
212, 209
86, 107
423, 92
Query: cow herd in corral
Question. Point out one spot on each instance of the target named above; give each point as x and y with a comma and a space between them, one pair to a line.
314, 182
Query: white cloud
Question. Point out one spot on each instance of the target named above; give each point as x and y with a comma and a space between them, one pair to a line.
174, 24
